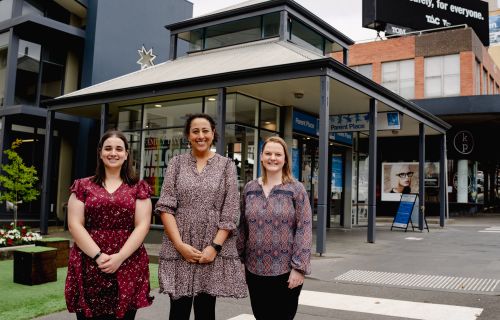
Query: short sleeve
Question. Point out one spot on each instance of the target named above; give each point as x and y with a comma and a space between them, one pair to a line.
143, 190
168, 195
79, 189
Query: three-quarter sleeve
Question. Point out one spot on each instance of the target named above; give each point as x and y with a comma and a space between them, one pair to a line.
78, 188
168, 195
143, 190
231, 205
242, 229
301, 257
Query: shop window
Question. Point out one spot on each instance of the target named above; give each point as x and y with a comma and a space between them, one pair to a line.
365, 69
492, 86
159, 147
5, 9
242, 146
170, 113
130, 118
241, 109
231, 33
306, 37
194, 39
211, 107
442, 76
4, 48
28, 69
269, 116
399, 77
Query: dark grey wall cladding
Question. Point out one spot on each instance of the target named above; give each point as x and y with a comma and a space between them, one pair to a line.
123, 26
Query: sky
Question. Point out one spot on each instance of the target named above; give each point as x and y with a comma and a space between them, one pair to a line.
343, 15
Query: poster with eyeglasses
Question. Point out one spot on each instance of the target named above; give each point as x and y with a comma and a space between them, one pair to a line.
399, 178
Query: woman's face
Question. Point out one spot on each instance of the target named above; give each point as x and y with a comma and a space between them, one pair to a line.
113, 153
273, 157
404, 177
201, 135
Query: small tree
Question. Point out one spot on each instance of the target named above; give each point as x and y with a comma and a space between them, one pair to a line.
17, 180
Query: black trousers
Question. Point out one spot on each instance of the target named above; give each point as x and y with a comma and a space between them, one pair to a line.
270, 297
203, 305
130, 315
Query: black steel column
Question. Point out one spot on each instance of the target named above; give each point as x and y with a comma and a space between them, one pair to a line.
104, 118
372, 172
173, 47
443, 182
345, 58
324, 124
46, 172
221, 122
11, 69
421, 175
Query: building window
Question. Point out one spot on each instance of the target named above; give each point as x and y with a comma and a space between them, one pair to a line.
477, 78
492, 86
4, 48
497, 89
28, 69
399, 77
442, 76
306, 37
365, 69
485, 82
231, 33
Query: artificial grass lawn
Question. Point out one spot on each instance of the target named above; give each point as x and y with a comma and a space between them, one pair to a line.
22, 302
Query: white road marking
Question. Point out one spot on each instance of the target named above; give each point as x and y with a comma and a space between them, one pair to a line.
413, 238
388, 307
384, 307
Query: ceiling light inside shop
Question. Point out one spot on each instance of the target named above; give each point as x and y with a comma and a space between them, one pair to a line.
158, 105
211, 99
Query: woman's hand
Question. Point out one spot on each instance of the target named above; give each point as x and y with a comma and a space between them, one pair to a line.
189, 253
208, 255
295, 279
109, 263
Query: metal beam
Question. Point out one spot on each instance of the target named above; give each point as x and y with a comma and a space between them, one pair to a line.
443, 182
324, 124
284, 35
221, 121
372, 173
11, 69
421, 174
345, 57
46, 172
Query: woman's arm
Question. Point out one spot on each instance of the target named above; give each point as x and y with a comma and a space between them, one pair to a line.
76, 226
189, 253
142, 221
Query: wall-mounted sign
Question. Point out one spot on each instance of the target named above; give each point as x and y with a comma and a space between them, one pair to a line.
427, 14
360, 122
308, 124
463, 142
495, 30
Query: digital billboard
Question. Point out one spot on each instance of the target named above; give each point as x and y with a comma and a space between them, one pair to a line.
427, 14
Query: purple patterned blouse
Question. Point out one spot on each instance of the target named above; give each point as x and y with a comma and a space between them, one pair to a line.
275, 233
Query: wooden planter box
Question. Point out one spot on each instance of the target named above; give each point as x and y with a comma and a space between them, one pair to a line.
35, 265
62, 246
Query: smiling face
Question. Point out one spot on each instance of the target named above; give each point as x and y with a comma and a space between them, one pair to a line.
273, 157
113, 153
201, 135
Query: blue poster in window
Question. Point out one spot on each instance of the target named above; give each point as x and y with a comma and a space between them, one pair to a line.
337, 173
296, 163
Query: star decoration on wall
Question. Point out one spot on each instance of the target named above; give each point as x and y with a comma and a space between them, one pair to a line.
147, 58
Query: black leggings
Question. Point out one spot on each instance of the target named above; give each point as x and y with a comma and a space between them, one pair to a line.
203, 305
130, 315
270, 297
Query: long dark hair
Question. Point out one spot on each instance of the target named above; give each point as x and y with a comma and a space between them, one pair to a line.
127, 172
191, 117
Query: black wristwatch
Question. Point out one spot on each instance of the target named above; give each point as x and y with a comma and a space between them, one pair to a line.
216, 246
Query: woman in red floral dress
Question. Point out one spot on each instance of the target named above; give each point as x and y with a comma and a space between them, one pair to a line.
109, 216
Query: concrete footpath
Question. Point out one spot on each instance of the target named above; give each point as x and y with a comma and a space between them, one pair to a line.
463, 256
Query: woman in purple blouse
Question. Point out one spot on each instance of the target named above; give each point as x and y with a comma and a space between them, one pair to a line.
275, 235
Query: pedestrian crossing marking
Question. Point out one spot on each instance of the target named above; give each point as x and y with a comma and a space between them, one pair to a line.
440, 282
384, 307
493, 229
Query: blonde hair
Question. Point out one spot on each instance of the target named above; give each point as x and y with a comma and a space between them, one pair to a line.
286, 176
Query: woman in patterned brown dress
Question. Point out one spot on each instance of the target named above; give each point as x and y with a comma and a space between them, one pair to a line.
109, 216
199, 208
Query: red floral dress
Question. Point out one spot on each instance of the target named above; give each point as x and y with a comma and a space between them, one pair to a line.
109, 219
